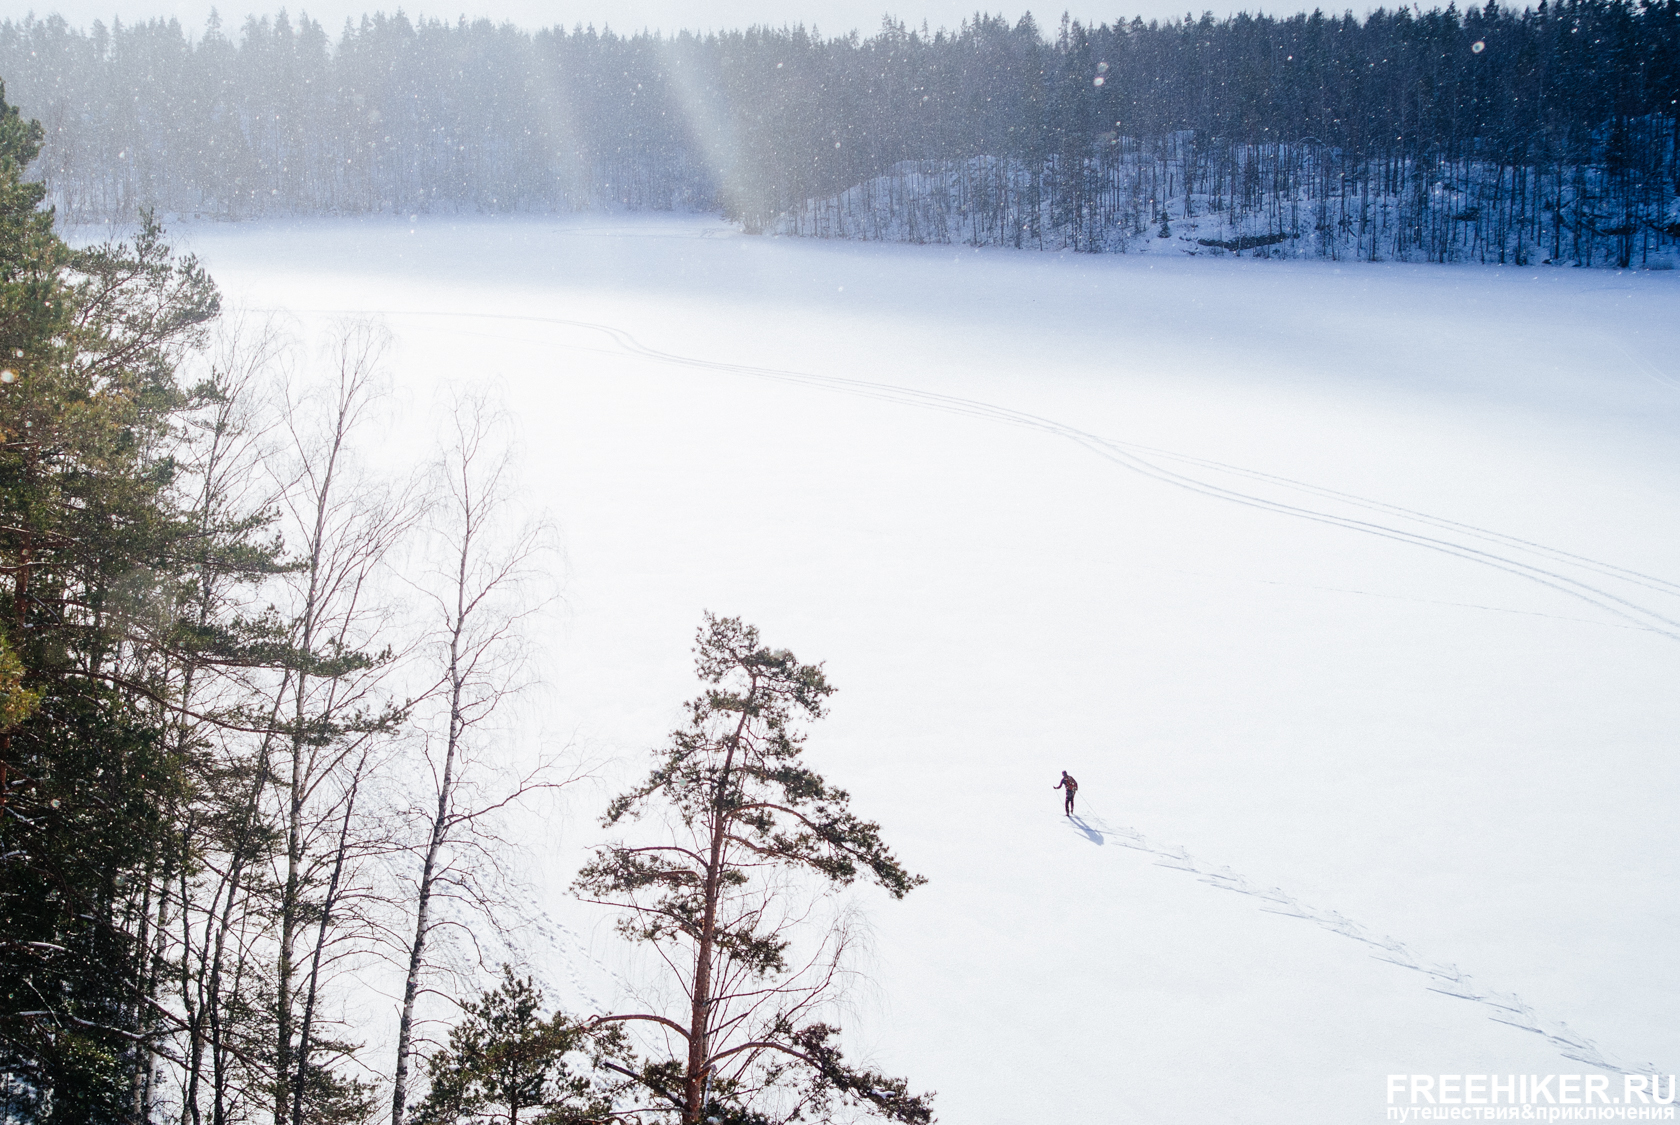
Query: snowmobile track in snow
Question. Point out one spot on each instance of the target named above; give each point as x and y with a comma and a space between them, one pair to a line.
1591, 581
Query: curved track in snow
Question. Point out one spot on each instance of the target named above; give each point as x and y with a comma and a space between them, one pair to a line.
1622, 592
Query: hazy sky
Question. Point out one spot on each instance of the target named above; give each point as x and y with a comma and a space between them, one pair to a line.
830, 16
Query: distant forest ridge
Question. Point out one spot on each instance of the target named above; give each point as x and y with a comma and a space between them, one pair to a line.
1493, 135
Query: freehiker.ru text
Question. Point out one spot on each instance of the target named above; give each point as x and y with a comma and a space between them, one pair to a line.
1529, 1090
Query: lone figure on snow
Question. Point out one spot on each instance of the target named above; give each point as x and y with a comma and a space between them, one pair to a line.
1071, 786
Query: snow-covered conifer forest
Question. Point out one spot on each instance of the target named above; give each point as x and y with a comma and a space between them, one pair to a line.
1488, 135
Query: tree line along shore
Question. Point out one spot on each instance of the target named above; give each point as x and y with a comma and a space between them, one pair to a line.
1491, 134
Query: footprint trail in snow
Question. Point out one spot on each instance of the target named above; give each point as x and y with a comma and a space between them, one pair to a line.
1448, 980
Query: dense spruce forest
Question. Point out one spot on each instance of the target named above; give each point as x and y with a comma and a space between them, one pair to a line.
1489, 134
261, 762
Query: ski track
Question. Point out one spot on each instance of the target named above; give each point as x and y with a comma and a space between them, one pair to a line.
1466, 541
1590, 582
1447, 979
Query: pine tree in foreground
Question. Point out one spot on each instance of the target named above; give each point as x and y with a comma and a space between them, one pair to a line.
724, 894
505, 1063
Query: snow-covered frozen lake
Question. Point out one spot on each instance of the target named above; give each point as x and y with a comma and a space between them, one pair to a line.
1360, 583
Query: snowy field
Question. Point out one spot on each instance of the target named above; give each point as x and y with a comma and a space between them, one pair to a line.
1361, 584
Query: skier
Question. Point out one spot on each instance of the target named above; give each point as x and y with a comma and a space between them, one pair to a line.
1071, 786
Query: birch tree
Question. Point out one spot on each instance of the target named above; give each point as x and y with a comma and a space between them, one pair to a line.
480, 598
337, 706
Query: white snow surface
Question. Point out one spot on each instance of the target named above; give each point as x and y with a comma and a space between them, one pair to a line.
1354, 589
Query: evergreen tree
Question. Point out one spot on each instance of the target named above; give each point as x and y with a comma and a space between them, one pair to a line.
102, 555
506, 1063
742, 809
88, 530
